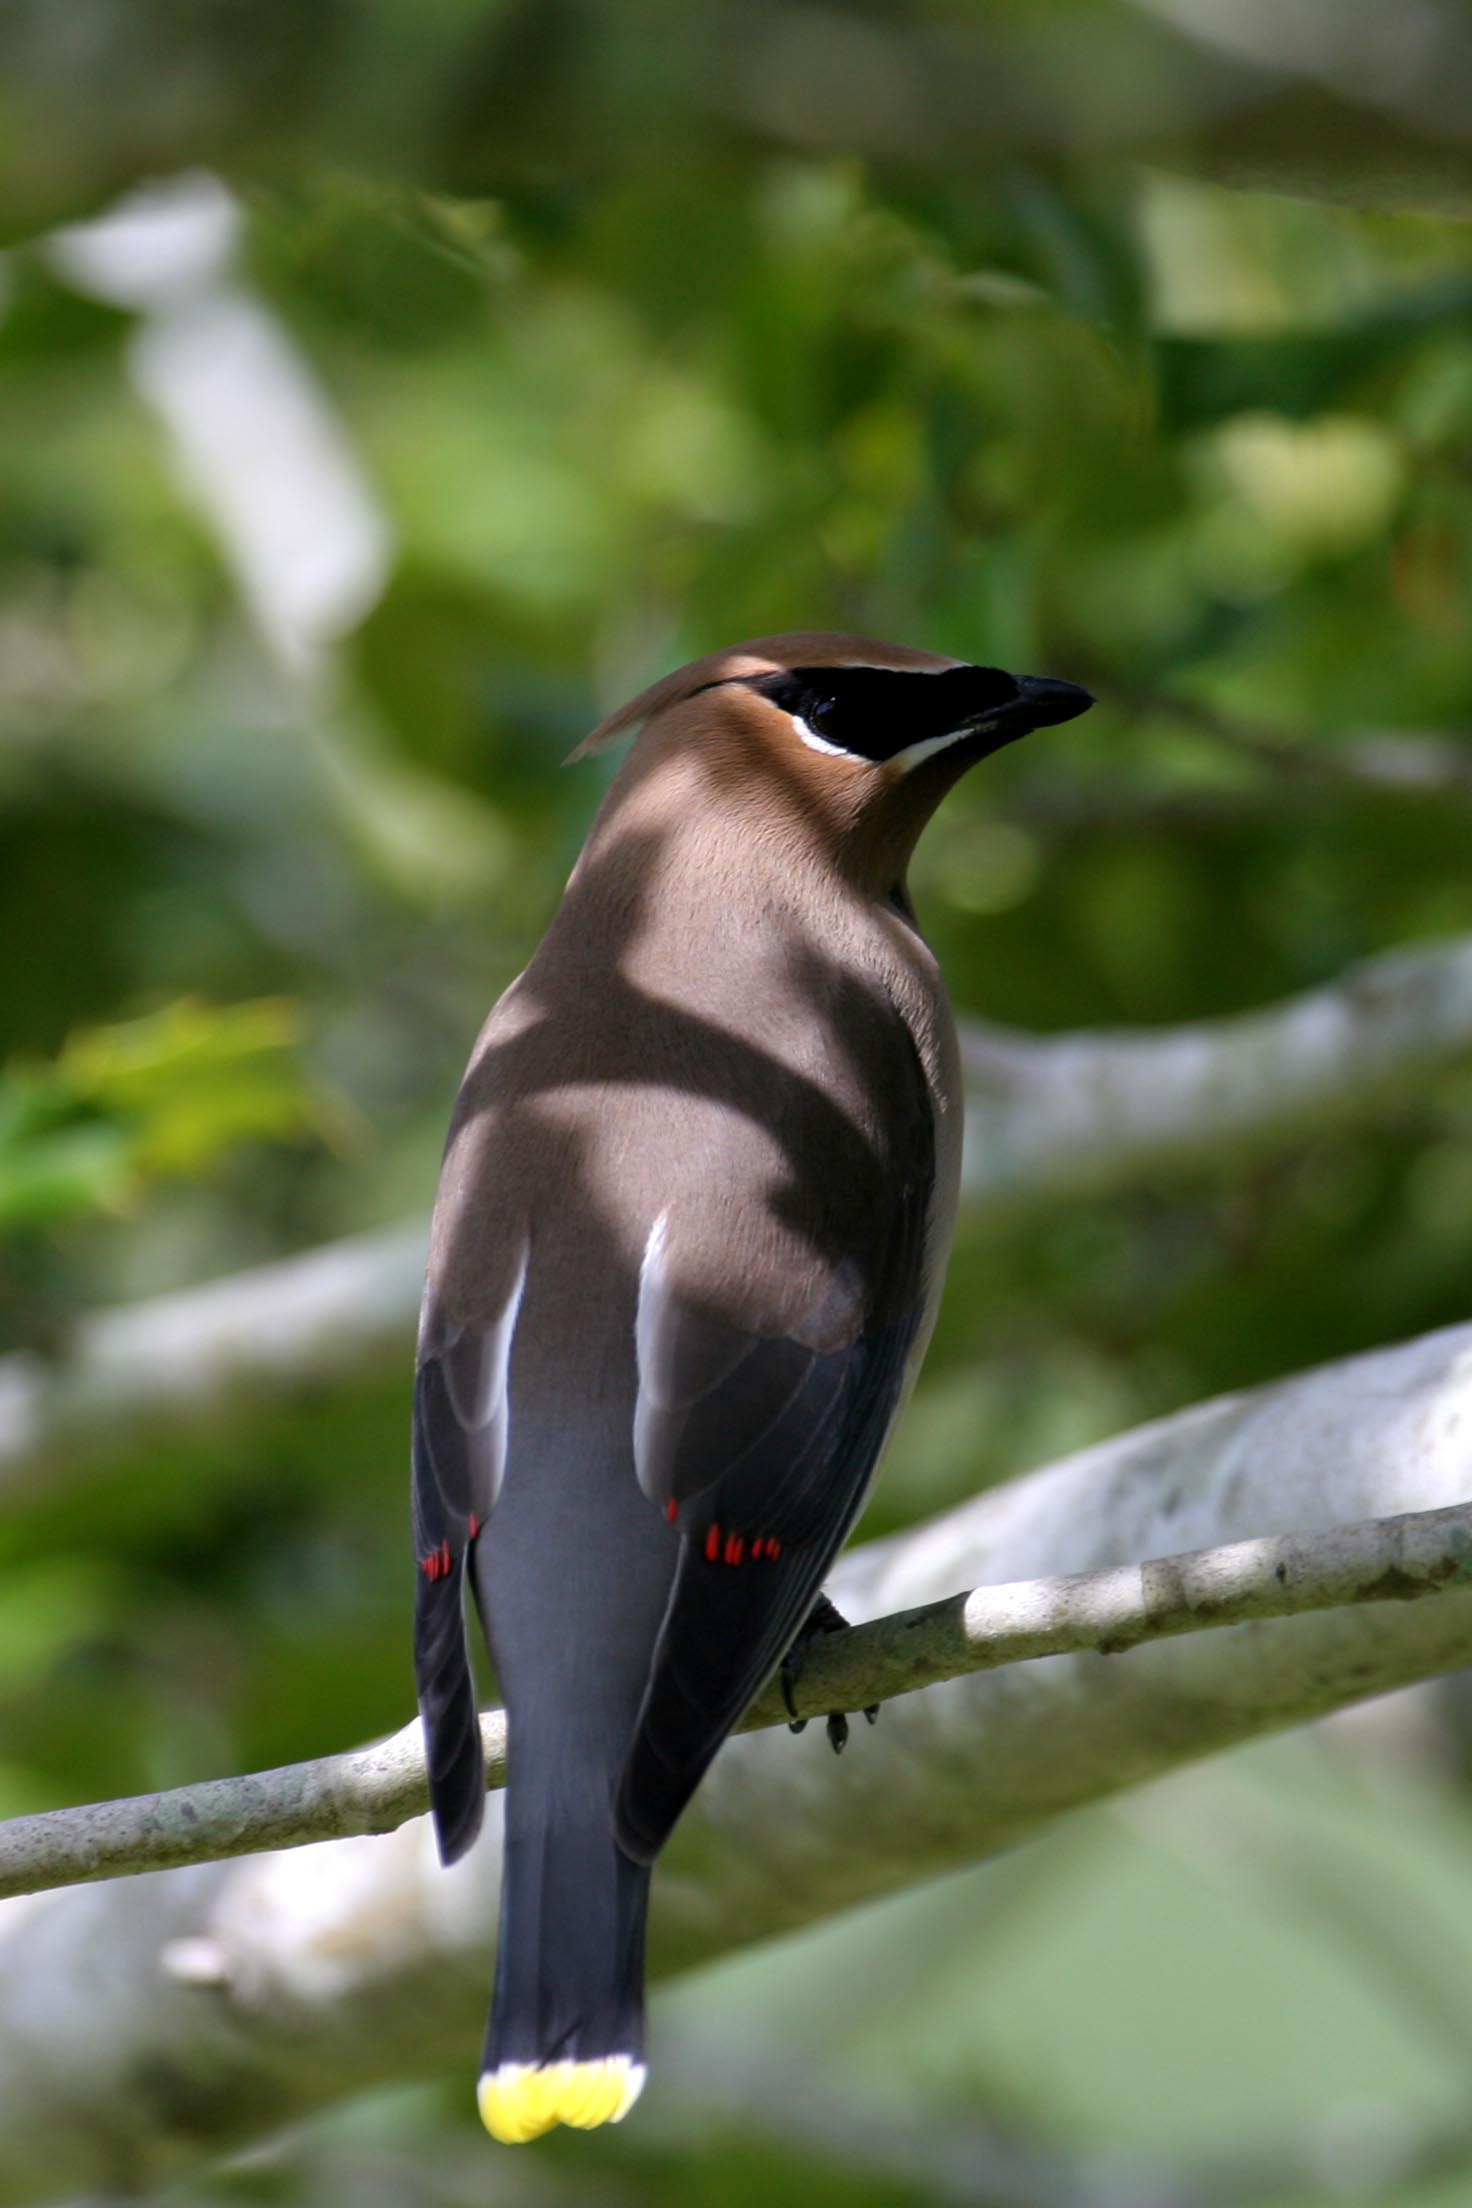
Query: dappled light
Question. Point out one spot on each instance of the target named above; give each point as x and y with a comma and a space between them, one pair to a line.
390, 395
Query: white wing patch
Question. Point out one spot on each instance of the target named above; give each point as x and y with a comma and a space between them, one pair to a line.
478, 1384
650, 1350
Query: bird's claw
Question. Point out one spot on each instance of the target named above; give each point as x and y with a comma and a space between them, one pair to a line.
825, 1617
791, 1666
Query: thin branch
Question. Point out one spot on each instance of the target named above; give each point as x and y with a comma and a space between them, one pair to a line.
375, 1790
1280, 1576
1046, 1116
368, 1790
150, 2022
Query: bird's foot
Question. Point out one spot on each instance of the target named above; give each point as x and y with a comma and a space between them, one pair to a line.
824, 1618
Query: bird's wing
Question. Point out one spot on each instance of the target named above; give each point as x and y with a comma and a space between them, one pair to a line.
459, 1454
761, 1450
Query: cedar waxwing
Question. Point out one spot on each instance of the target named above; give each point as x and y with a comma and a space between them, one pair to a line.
695, 1210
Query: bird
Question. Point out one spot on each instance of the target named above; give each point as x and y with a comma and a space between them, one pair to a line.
693, 1218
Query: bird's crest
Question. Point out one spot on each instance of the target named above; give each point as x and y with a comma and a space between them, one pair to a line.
760, 655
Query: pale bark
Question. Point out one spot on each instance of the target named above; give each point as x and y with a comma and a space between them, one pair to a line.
147, 2022
374, 1790
1046, 1116
1053, 1115
196, 1359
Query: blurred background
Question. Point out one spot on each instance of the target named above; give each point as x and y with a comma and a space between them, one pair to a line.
385, 392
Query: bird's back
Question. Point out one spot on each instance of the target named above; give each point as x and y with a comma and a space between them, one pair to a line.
694, 1213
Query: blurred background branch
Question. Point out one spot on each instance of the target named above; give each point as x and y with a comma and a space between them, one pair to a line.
1318, 99
248, 1993
385, 391
1046, 1116
376, 1789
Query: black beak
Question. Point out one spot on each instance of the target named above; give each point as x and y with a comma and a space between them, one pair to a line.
1045, 703
1027, 702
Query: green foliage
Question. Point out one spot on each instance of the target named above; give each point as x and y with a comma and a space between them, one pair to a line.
123, 1107
1201, 449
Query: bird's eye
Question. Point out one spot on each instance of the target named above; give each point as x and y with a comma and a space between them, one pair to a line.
820, 714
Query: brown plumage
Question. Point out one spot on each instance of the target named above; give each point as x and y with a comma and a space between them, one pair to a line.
692, 1225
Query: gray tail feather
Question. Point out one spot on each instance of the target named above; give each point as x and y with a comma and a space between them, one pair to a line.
447, 1703
570, 1964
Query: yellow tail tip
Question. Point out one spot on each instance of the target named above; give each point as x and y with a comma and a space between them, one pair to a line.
520, 2100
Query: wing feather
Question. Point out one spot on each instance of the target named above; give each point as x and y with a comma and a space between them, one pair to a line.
461, 1421
764, 1449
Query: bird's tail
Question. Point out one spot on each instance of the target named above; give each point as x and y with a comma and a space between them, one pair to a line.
456, 1759
566, 2037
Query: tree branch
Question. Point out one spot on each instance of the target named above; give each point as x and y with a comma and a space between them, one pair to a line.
146, 2023
194, 1360
376, 1789
1046, 1116
1050, 1115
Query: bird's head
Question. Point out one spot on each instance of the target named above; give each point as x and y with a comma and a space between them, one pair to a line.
857, 739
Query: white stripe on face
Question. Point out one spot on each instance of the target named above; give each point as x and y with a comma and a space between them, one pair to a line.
904, 760
821, 743
914, 753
